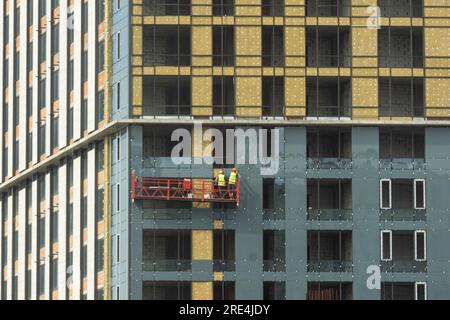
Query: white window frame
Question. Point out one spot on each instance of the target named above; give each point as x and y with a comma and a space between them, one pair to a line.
390, 245
416, 232
381, 193
415, 193
416, 284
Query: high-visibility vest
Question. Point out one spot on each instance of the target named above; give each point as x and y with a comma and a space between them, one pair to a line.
233, 177
221, 180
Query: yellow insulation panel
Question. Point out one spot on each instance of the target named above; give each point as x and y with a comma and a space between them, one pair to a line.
202, 245
437, 93
202, 290
248, 104
365, 92
295, 92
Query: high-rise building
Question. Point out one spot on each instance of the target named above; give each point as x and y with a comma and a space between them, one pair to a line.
348, 200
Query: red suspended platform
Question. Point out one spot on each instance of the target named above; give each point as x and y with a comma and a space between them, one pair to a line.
196, 190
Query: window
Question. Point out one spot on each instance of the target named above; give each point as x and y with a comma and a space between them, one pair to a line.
223, 7
272, 8
272, 46
420, 245
99, 248
274, 290
118, 148
54, 226
118, 197
54, 274
55, 132
223, 45
70, 77
41, 145
268, 193
420, 292
100, 204
272, 96
84, 111
42, 92
118, 95
84, 17
168, 45
419, 194
100, 106
100, 11
118, 248
223, 96
385, 194
118, 45
386, 245
223, 290
84, 66
55, 38
42, 8
30, 56
101, 56
42, 46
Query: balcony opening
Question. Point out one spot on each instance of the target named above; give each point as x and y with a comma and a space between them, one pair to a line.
157, 142
401, 97
402, 143
268, 193
400, 47
223, 46
329, 291
166, 210
403, 291
272, 46
329, 148
223, 7
274, 290
221, 158
273, 96
223, 96
403, 251
273, 199
224, 250
166, 250
329, 251
272, 8
167, 45
329, 199
403, 196
328, 8
167, 96
401, 8
224, 290
166, 290
167, 7
328, 97
328, 47
274, 250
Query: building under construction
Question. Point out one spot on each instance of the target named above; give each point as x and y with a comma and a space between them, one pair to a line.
94, 205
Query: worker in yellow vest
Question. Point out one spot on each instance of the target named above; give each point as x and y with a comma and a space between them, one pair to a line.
232, 182
221, 183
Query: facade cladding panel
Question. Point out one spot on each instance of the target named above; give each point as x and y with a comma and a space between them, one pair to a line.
357, 104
